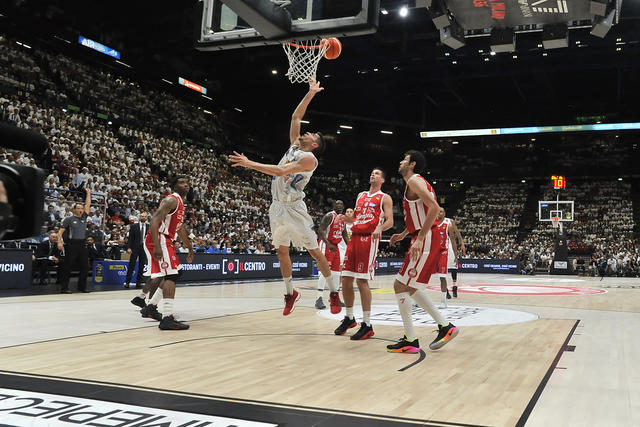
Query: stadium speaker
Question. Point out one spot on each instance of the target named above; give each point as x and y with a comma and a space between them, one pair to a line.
503, 40
452, 36
555, 36
439, 14
598, 7
602, 24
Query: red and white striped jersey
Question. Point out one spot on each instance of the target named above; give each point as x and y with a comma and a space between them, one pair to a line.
368, 212
334, 233
443, 234
173, 221
415, 212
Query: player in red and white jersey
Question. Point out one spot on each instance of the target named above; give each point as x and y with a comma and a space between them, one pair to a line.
420, 211
333, 235
373, 215
448, 253
164, 265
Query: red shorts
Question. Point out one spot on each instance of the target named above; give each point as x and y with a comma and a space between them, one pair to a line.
335, 263
417, 273
443, 263
360, 259
170, 263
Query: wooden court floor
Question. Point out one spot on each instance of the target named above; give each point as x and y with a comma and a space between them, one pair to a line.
571, 362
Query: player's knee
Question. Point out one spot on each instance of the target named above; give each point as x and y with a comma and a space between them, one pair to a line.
283, 251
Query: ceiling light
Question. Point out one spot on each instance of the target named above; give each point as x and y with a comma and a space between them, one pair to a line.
208, 97
239, 110
404, 11
515, 56
461, 182
545, 54
338, 131
122, 63
386, 132
454, 62
619, 179
533, 139
618, 39
481, 51
375, 69
304, 121
447, 54
493, 53
523, 181
454, 142
486, 59
539, 44
577, 41
395, 68
346, 127
384, 11
274, 71
167, 81
618, 49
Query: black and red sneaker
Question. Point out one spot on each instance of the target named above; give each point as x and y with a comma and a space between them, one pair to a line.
347, 323
168, 323
365, 331
139, 302
151, 311
455, 292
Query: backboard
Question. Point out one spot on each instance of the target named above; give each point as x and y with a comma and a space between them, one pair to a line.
221, 28
548, 209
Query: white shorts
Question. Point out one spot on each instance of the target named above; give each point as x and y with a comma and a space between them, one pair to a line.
290, 223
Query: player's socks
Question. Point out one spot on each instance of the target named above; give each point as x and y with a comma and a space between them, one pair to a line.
444, 297
335, 281
157, 296
426, 304
349, 312
404, 305
366, 317
166, 307
288, 284
321, 283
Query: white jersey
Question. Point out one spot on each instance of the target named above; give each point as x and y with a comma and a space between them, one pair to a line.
289, 188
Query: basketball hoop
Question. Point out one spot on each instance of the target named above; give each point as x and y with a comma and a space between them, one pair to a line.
304, 57
555, 221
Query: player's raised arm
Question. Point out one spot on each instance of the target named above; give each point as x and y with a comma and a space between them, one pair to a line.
301, 109
304, 164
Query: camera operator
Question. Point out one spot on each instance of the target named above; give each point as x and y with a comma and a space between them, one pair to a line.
74, 245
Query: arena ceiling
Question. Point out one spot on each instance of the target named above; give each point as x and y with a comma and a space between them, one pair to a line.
401, 78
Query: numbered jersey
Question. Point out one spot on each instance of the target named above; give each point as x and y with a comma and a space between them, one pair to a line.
442, 230
334, 233
368, 212
415, 212
289, 188
173, 221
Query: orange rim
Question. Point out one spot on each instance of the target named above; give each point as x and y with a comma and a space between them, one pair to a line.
301, 46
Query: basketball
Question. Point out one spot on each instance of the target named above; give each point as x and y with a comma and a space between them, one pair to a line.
334, 49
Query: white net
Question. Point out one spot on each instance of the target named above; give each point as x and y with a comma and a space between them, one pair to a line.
304, 57
555, 221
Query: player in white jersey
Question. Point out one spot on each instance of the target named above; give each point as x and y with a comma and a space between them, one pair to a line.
288, 215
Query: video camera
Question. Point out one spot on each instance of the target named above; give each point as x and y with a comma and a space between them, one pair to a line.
21, 208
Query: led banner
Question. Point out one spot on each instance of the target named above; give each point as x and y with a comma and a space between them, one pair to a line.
477, 265
15, 268
480, 14
192, 85
210, 267
530, 129
99, 47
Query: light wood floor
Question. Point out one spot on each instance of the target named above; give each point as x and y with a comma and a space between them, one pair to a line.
241, 347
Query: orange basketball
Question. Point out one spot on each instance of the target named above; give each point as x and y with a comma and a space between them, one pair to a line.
334, 49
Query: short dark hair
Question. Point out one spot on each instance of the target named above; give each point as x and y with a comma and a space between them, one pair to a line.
173, 181
384, 173
322, 144
418, 157
77, 203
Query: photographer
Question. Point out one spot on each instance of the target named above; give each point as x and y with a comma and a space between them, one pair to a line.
74, 246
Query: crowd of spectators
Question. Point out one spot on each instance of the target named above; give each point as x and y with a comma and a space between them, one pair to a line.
127, 165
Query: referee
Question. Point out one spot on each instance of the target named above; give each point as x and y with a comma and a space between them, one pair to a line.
74, 246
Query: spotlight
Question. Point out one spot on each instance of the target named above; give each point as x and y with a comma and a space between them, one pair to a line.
555, 36
439, 14
404, 11
503, 40
602, 24
452, 36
